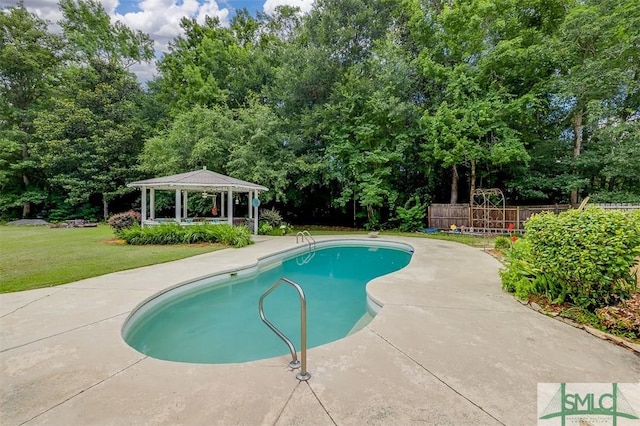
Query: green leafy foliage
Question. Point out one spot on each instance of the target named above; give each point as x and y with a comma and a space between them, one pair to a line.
91, 35
265, 228
237, 236
29, 57
502, 243
411, 218
581, 257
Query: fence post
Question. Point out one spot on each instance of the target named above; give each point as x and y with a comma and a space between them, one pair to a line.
518, 217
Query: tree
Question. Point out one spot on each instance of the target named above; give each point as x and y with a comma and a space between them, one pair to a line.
28, 60
93, 135
212, 65
467, 121
245, 143
597, 81
371, 125
91, 35
469, 129
198, 137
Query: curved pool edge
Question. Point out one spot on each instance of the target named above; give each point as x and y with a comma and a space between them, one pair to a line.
262, 263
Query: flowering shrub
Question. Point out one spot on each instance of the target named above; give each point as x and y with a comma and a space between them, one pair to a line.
271, 216
124, 220
581, 257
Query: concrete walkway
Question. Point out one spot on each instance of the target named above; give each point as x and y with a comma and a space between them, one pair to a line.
449, 347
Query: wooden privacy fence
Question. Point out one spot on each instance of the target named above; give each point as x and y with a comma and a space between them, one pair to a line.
442, 216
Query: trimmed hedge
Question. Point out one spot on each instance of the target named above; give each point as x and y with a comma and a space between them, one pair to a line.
581, 257
172, 233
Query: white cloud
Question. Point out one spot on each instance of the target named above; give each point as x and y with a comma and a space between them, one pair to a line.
304, 5
44, 9
161, 18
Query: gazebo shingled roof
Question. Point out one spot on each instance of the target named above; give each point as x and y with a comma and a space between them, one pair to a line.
199, 180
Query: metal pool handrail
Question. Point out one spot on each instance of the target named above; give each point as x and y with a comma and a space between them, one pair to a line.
303, 375
305, 235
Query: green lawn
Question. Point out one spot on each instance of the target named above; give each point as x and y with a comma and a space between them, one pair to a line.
468, 239
34, 257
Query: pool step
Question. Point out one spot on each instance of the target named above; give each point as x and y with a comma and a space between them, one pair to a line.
362, 323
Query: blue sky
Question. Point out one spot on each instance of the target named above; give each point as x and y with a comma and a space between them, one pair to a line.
253, 6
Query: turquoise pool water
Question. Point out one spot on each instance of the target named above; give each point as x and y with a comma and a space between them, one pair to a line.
219, 323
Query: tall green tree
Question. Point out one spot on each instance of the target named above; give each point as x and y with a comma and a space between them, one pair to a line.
91, 35
371, 127
29, 57
597, 80
469, 129
214, 65
92, 136
467, 121
196, 138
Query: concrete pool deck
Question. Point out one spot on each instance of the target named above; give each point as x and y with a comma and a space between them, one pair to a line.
449, 347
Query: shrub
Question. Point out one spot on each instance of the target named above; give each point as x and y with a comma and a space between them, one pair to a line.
172, 233
410, 219
520, 273
272, 217
265, 228
124, 220
582, 257
502, 243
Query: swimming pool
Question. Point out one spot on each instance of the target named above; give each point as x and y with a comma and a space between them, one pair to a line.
215, 320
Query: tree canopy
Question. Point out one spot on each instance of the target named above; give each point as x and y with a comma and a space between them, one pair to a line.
352, 113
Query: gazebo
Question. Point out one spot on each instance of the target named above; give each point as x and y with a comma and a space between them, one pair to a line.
210, 185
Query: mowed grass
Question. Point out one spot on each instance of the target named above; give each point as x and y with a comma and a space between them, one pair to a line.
480, 241
35, 257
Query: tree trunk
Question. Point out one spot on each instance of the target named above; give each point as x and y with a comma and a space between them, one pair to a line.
472, 185
454, 185
576, 123
355, 223
105, 208
26, 206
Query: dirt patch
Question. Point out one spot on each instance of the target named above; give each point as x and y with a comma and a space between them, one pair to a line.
115, 241
498, 254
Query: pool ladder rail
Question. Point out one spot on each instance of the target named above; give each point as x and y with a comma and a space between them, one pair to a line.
302, 236
305, 235
303, 375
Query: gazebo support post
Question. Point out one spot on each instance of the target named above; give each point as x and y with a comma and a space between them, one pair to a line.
250, 209
178, 204
144, 206
222, 211
230, 206
185, 203
152, 203
255, 215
